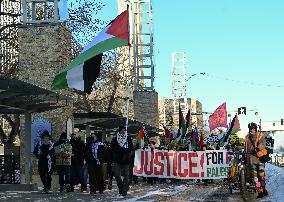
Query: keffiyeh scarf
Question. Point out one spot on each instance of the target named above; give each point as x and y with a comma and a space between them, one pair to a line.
95, 147
122, 140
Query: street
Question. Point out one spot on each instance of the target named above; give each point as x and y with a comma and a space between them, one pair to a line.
182, 191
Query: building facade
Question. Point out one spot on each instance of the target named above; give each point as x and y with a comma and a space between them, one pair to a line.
168, 118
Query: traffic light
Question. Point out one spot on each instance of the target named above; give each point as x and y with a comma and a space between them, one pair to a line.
282, 122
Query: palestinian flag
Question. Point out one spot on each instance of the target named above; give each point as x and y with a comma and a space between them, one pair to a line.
182, 126
140, 137
167, 133
187, 120
83, 71
234, 127
141, 133
193, 140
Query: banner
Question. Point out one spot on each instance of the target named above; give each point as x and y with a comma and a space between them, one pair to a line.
211, 164
218, 118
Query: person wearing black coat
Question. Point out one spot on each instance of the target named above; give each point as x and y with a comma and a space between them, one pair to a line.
44, 151
94, 155
108, 160
77, 162
122, 147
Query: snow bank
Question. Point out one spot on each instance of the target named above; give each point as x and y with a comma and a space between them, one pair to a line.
274, 183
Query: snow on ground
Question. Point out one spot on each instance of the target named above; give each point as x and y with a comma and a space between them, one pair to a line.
274, 183
181, 191
170, 191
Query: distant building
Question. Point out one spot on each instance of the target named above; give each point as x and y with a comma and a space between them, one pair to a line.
168, 118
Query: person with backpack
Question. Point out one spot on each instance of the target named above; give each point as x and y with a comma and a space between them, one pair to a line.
44, 151
257, 156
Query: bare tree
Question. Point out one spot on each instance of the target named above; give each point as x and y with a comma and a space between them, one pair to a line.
9, 22
8, 138
83, 22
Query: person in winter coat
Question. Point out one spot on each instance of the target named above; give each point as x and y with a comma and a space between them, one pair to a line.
108, 160
77, 163
44, 151
152, 146
122, 147
255, 148
63, 153
95, 152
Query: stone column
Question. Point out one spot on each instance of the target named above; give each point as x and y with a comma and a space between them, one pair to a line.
44, 50
28, 173
146, 107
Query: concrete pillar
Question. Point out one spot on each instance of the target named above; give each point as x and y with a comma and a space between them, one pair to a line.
88, 130
28, 137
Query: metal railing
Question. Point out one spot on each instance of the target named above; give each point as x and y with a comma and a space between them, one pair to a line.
9, 170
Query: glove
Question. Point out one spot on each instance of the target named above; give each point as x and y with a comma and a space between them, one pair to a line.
253, 151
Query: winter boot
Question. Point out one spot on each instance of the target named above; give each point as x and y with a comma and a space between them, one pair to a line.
45, 190
109, 185
61, 189
83, 188
260, 195
70, 188
265, 193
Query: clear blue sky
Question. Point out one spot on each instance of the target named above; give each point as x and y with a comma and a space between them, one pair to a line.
241, 40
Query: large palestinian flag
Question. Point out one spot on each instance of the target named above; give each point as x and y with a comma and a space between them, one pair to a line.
82, 72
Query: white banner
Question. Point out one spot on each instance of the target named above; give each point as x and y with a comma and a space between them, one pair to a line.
211, 164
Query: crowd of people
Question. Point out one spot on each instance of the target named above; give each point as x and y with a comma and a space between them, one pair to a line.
96, 162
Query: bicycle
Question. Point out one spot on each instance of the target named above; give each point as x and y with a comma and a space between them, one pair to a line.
240, 176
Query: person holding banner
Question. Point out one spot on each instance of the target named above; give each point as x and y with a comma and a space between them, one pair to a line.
152, 145
122, 147
255, 149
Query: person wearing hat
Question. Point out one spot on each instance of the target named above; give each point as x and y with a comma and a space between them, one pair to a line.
94, 153
121, 146
255, 149
44, 151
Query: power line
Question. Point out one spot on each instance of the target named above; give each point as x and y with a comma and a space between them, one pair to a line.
243, 81
193, 75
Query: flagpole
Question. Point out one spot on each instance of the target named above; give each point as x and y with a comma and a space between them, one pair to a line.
128, 79
128, 92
